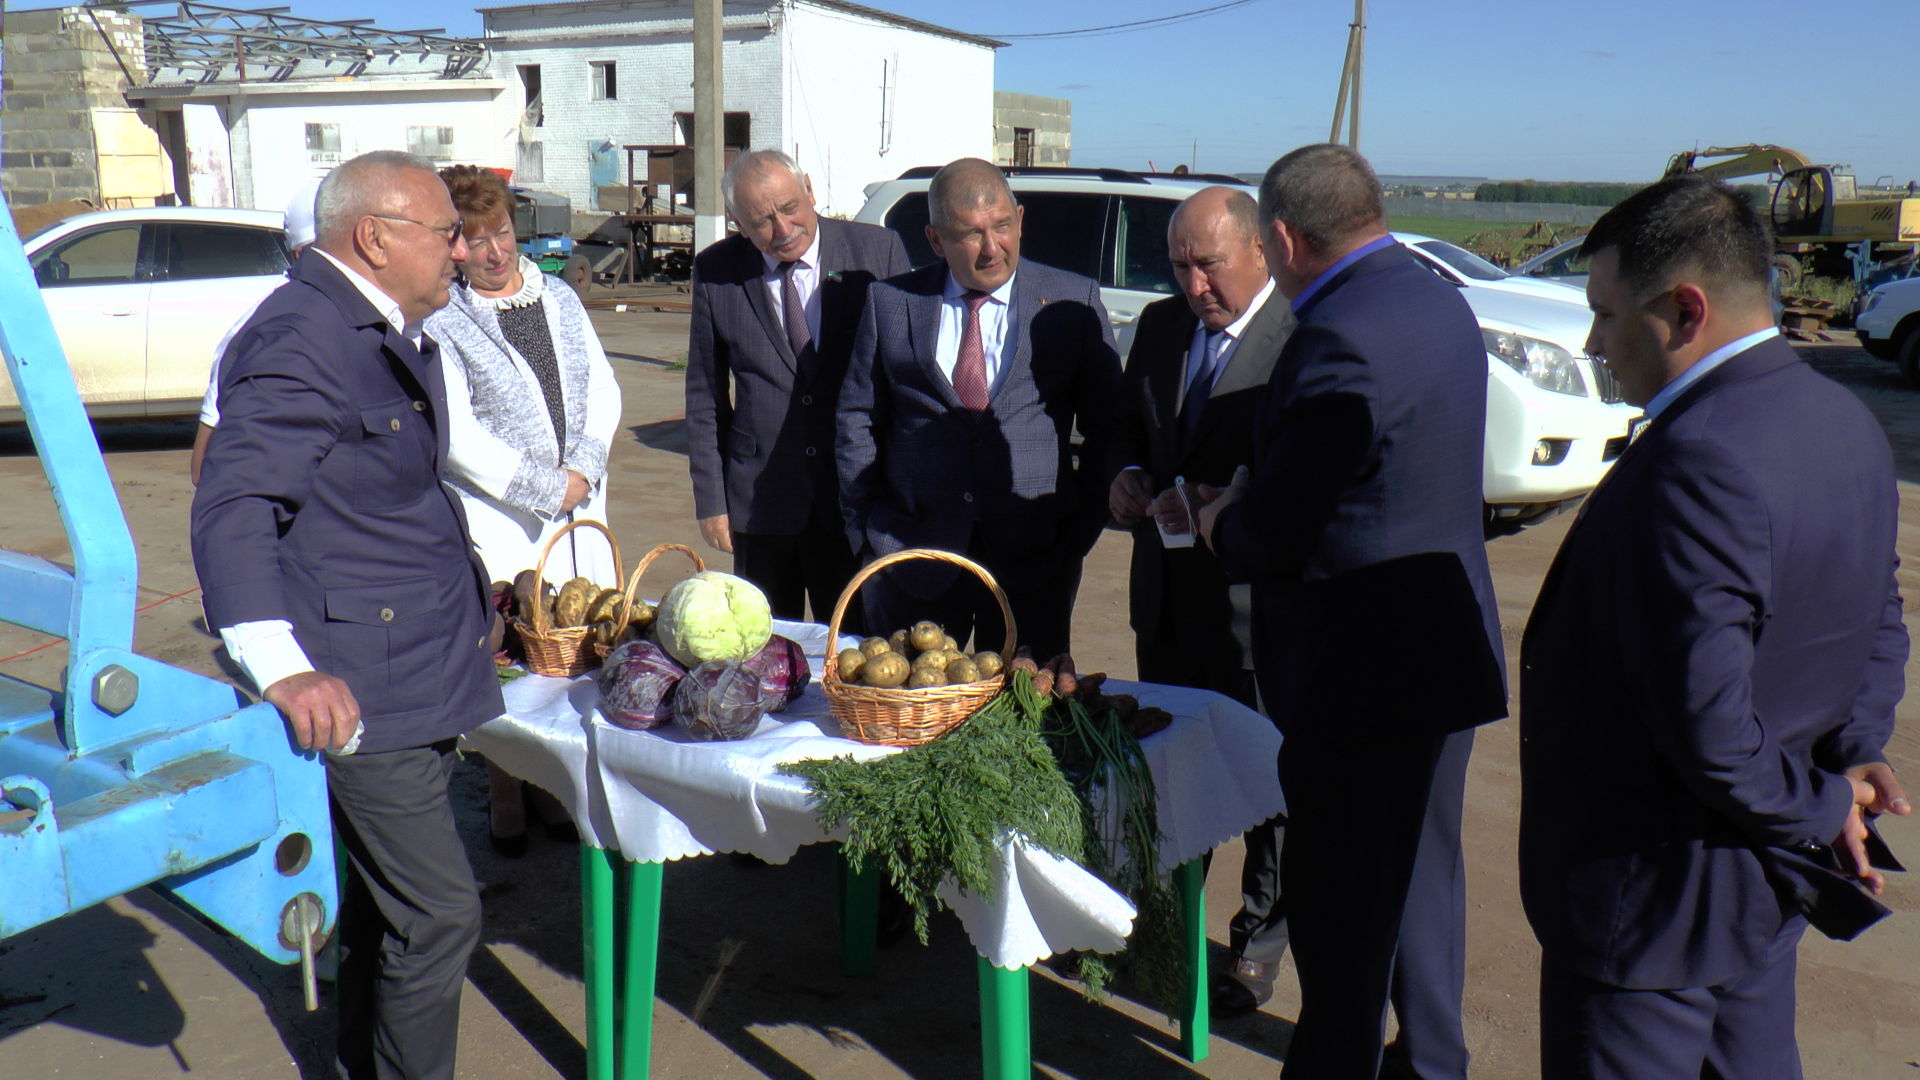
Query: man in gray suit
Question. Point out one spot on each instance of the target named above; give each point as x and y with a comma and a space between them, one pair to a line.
774, 311
967, 381
1195, 379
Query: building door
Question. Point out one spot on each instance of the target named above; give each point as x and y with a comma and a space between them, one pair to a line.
1023, 147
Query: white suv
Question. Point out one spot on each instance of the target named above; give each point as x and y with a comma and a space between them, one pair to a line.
1555, 420
1888, 325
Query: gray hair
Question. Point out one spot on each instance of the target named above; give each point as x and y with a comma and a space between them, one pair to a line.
359, 187
755, 161
963, 184
1328, 192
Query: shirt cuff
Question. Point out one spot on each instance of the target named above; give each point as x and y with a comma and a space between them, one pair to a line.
266, 651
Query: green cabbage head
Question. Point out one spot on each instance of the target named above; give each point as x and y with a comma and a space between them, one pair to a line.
713, 616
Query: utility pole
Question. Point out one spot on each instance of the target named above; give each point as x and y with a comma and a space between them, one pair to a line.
709, 126
1349, 94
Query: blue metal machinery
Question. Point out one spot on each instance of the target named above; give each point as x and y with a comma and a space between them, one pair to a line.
133, 772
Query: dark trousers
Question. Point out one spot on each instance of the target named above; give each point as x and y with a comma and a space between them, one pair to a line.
1358, 812
1590, 1030
1430, 966
1040, 592
1258, 931
812, 565
410, 916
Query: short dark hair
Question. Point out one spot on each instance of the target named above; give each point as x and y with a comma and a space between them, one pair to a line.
1686, 225
1328, 192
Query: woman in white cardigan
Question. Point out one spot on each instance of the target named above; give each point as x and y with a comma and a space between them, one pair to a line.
532, 407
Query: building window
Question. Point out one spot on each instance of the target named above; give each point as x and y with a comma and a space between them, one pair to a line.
604, 86
735, 134
536, 113
323, 141
432, 143
1023, 147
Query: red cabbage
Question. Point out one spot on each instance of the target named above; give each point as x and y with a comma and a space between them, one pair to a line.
636, 685
782, 667
719, 700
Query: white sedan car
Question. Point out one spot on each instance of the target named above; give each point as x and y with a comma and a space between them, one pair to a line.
139, 298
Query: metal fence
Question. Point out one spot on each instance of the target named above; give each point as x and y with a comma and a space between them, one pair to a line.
1492, 212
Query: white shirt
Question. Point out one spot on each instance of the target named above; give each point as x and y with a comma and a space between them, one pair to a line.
806, 281
266, 649
995, 316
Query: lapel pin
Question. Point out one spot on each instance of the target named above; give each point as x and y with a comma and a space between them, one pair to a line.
833, 275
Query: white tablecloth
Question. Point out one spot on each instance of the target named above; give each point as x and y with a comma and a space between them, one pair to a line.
657, 796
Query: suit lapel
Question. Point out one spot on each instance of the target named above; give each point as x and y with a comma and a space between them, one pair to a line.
923, 332
835, 255
1167, 381
1250, 364
752, 268
1027, 302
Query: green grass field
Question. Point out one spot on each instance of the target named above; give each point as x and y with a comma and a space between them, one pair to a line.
1447, 228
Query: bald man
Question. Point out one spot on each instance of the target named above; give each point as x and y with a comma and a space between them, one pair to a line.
967, 380
1195, 377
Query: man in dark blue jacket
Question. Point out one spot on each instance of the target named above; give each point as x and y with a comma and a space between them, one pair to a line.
1376, 636
338, 571
967, 381
1709, 675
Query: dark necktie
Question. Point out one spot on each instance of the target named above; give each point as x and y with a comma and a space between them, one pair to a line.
798, 337
1200, 382
970, 367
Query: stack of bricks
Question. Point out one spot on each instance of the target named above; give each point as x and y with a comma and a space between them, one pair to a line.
59, 65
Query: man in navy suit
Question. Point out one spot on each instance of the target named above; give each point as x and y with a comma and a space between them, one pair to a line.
774, 311
338, 570
1709, 675
1376, 636
967, 382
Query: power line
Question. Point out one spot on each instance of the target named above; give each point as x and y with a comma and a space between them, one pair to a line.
1125, 27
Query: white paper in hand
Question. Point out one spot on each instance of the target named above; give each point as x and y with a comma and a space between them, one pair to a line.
1179, 539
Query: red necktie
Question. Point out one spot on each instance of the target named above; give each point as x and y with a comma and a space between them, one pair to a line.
970, 368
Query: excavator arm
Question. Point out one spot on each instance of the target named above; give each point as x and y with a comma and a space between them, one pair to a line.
1754, 159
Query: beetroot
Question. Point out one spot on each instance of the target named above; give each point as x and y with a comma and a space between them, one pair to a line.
782, 668
636, 685
720, 700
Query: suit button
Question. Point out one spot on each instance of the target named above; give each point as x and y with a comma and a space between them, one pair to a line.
968, 497
806, 399
394, 423
419, 406
481, 644
386, 614
811, 451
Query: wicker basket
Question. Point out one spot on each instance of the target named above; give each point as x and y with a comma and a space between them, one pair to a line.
560, 651
900, 716
633, 587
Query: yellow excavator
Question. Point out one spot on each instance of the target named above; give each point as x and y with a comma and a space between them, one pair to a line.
1818, 212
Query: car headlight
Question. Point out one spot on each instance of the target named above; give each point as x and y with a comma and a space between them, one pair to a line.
1545, 365
1867, 302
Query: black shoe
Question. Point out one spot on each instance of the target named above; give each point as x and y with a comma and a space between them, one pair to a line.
510, 847
1240, 989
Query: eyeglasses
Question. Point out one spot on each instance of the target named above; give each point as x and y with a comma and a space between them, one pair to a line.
449, 233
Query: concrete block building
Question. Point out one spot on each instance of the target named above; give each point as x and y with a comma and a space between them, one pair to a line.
855, 94
1030, 130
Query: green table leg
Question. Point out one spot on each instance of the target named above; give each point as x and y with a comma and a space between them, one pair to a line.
598, 951
857, 910
641, 962
1006, 1045
1191, 883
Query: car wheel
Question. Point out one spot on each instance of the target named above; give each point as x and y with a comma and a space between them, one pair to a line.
1907, 350
579, 274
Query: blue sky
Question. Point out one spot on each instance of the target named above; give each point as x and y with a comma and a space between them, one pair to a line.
1548, 89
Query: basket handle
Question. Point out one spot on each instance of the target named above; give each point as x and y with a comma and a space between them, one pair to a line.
541, 624
633, 583
912, 555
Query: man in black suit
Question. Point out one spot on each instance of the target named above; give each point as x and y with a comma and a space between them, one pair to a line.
1195, 376
1709, 676
1376, 635
774, 311
338, 570
967, 381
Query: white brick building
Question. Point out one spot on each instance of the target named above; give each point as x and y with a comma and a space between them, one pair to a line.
855, 94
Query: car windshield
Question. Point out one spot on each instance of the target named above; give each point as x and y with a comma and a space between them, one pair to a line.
1466, 262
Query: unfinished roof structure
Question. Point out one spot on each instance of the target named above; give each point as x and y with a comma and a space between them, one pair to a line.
199, 42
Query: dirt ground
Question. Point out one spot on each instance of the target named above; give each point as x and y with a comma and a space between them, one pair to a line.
749, 983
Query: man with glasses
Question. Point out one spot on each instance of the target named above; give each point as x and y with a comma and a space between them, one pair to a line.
339, 572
